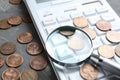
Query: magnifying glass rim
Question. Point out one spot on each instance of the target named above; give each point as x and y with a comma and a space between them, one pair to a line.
69, 64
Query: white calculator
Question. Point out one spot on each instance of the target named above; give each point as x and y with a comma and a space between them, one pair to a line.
47, 15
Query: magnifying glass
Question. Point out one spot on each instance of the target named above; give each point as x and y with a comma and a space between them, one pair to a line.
69, 46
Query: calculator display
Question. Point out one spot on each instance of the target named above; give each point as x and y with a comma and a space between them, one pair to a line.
40, 1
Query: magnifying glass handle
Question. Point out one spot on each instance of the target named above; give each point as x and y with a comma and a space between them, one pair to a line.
106, 64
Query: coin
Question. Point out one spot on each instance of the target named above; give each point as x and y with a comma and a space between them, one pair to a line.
29, 74
103, 25
11, 74
67, 32
38, 63
14, 20
91, 32
113, 36
117, 50
14, 60
75, 42
1, 61
15, 1
88, 72
4, 24
26, 19
34, 48
80, 22
106, 51
25, 37
8, 48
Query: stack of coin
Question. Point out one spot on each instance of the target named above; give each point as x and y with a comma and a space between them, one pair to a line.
11, 74
4, 24
88, 72
14, 60
34, 48
106, 51
8, 48
1, 61
25, 37
80, 22
38, 63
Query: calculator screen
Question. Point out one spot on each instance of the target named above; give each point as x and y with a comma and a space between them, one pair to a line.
40, 1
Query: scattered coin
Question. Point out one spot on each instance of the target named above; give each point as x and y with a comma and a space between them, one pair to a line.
34, 48
113, 36
25, 37
117, 50
4, 24
91, 32
11, 74
15, 1
14, 20
8, 48
1, 61
29, 74
103, 25
38, 63
106, 51
14, 60
88, 72
75, 42
67, 32
26, 19
80, 22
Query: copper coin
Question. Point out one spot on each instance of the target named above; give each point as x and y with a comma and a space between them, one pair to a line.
25, 37
26, 19
4, 24
75, 42
91, 32
117, 50
67, 32
14, 60
80, 22
8, 48
103, 25
106, 51
34, 48
11, 74
113, 36
88, 72
29, 74
1, 61
38, 63
15, 1
14, 20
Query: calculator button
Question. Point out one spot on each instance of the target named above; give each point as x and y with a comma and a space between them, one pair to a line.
107, 16
101, 9
63, 18
97, 42
115, 25
89, 12
99, 32
49, 29
75, 76
93, 19
75, 14
49, 21
105, 41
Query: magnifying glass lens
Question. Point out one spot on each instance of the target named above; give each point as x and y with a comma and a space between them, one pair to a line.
69, 45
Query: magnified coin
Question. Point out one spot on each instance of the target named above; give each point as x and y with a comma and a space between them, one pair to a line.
113, 36
34, 48
29, 74
80, 22
88, 72
4, 24
106, 51
67, 32
11, 74
14, 60
14, 20
25, 37
1, 61
15, 1
8, 48
75, 42
38, 63
103, 25
117, 50
91, 32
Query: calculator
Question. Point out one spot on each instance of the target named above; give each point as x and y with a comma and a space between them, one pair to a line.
47, 15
